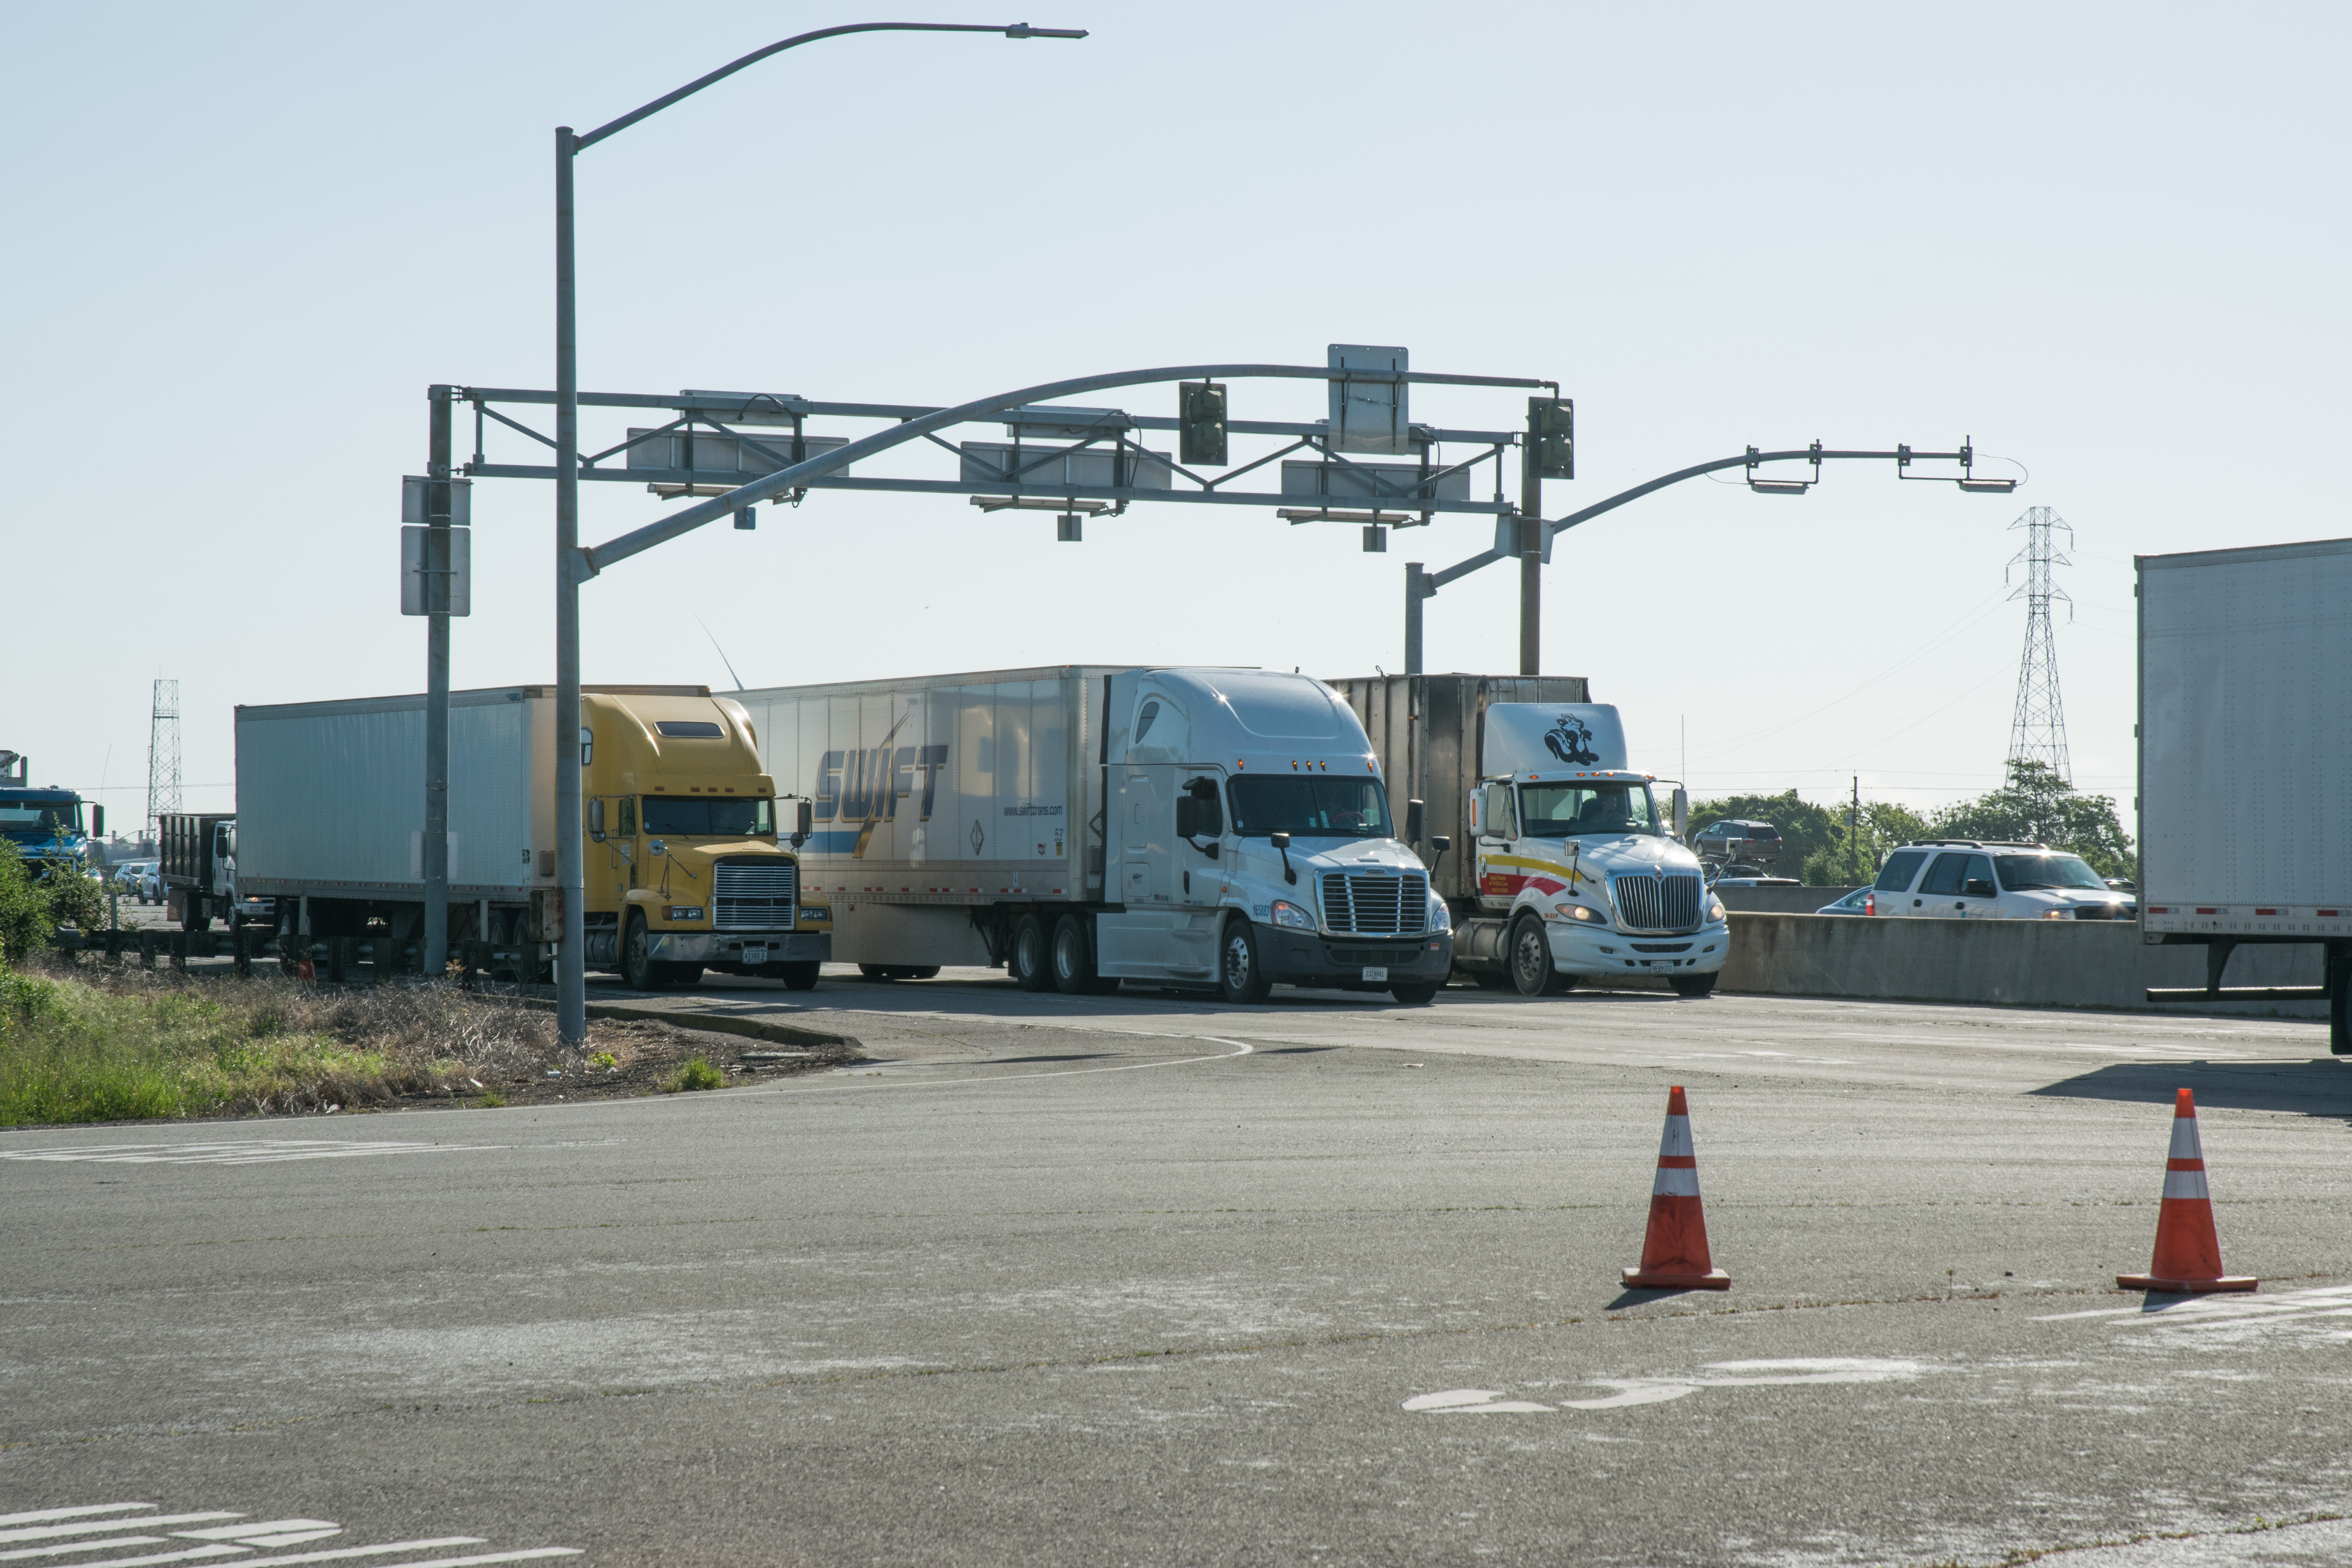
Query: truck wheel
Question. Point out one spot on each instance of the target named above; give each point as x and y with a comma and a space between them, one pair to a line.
1413, 995
1031, 957
799, 976
1241, 974
192, 917
1074, 966
1692, 985
638, 970
1531, 969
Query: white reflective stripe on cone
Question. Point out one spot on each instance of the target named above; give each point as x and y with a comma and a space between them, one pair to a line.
1677, 1138
2185, 1184
1682, 1182
2184, 1138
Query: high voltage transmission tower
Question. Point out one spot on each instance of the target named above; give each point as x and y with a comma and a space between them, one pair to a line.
162, 757
2038, 731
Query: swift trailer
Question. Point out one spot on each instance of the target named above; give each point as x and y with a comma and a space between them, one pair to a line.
686, 868
2245, 761
1568, 865
1086, 825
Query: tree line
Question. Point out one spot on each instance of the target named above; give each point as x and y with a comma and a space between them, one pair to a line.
2032, 805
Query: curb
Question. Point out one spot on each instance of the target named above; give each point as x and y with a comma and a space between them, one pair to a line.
709, 1023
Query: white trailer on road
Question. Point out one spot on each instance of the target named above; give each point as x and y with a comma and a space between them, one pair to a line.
1085, 825
2246, 759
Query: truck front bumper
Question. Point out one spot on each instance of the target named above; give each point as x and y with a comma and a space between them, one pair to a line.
1310, 957
1581, 949
727, 947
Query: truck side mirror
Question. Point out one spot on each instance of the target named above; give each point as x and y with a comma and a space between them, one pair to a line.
596, 819
1414, 812
1281, 841
1441, 843
98, 822
803, 821
1681, 812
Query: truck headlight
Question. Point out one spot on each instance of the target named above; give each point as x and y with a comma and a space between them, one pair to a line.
2057, 914
684, 911
1715, 910
1439, 917
1287, 914
1583, 912
813, 913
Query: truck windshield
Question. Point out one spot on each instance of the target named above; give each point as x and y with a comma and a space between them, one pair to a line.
38, 821
2020, 872
711, 818
1562, 810
1318, 808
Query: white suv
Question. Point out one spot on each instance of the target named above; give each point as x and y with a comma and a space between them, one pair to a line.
1961, 879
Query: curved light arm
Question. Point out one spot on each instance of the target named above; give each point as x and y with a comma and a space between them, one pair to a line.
1017, 30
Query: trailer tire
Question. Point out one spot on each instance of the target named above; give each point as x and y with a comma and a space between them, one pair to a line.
799, 976
1241, 971
1531, 967
1074, 959
1030, 955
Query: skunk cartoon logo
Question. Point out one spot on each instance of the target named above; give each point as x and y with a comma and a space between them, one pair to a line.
1570, 741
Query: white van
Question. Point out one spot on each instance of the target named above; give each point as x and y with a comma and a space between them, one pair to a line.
1966, 879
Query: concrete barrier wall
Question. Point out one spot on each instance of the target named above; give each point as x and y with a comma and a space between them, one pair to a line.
2019, 964
1780, 901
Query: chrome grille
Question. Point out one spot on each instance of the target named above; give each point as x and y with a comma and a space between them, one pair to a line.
1657, 903
1375, 906
752, 895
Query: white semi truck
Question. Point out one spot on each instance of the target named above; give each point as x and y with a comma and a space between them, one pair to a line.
1572, 867
2245, 760
1082, 825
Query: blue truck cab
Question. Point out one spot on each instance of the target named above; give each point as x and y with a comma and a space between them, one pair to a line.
44, 825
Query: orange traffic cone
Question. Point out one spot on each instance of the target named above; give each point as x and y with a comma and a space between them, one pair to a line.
2188, 1252
1674, 1253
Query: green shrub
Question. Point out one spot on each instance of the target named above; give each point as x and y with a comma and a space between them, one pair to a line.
24, 921
695, 1074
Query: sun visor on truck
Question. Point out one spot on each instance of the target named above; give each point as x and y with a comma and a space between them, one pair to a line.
1551, 738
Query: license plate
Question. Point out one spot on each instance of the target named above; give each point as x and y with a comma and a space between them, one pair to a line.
754, 954
1376, 972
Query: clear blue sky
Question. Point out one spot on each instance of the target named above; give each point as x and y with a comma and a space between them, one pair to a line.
2107, 241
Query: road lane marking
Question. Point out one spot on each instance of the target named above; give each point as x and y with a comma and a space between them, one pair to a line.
52, 1532
240, 1152
43, 1515
238, 1541
1633, 1390
109, 1544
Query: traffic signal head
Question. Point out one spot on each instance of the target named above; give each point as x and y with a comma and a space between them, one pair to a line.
1551, 433
1202, 416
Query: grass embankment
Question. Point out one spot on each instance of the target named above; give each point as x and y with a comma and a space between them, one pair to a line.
102, 1046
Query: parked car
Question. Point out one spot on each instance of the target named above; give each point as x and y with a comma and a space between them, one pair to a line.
1734, 839
1861, 902
1968, 879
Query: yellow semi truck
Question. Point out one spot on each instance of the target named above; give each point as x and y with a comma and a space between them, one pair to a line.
688, 865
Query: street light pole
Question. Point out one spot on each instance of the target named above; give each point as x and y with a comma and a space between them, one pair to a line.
435, 845
1531, 554
571, 968
570, 871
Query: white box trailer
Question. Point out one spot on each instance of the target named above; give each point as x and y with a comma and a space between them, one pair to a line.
331, 808
1085, 825
2246, 759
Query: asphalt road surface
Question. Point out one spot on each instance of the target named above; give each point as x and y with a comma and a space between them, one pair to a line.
1142, 1280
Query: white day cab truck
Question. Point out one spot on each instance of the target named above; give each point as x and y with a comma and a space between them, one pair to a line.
1200, 829
1572, 867
2245, 761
